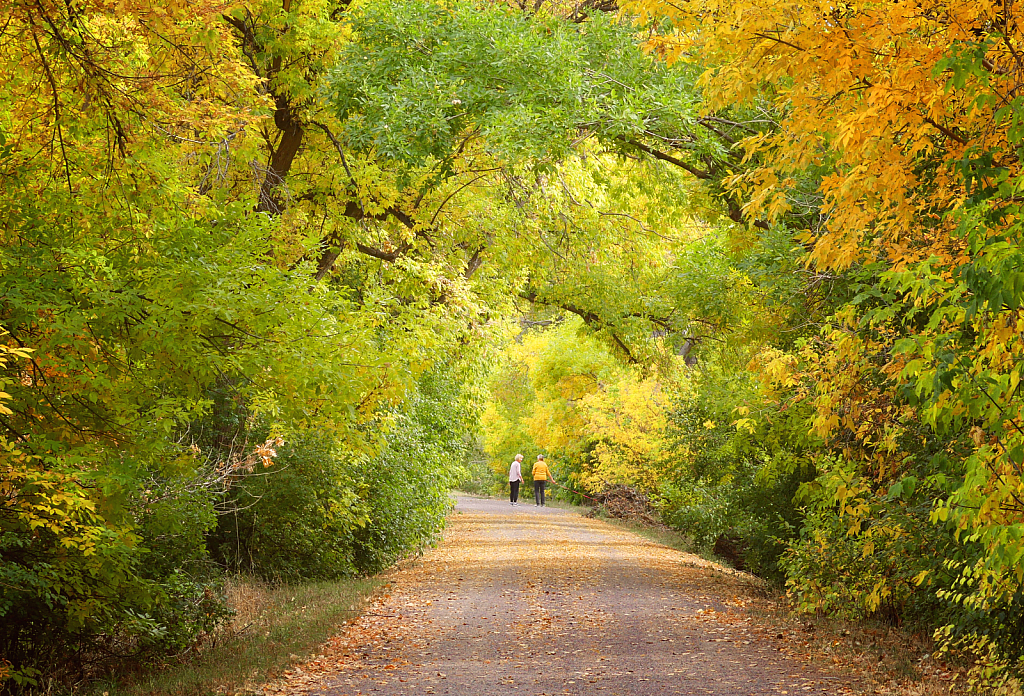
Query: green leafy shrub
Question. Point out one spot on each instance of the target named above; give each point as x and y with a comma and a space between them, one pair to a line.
187, 610
323, 510
67, 573
408, 482
864, 552
735, 487
80, 587
294, 518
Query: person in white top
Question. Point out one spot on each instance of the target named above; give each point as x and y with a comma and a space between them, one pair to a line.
515, 477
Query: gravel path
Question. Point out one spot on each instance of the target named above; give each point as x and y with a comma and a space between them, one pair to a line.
541, 601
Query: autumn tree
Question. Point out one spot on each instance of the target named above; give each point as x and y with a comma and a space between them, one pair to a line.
145, 286
907, 112
240, 231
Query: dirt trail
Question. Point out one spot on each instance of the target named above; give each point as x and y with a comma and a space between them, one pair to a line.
540, 601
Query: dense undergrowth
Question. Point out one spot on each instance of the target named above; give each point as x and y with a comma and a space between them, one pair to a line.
310, 510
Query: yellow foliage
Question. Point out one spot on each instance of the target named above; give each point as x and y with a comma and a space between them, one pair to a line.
628, 419
861, 84
566, 395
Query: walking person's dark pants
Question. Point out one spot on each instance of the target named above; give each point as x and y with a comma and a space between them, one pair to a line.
538, 492
513, 495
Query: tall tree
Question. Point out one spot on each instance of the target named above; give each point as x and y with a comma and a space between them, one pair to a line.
909, 110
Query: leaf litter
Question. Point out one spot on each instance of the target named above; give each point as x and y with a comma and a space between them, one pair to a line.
543, 602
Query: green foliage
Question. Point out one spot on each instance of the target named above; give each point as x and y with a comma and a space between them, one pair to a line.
174, 516
72, 578
532, 124
188, 611
734, 483
419, 79
321, 510
295, 518
863, 552
408, 482
66, 571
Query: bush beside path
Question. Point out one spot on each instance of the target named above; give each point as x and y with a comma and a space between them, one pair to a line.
542, 601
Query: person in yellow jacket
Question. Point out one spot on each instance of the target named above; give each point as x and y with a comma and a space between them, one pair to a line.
541, 476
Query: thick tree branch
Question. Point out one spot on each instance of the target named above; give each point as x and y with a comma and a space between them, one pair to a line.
736, 215
734, 211
658, 154
590, 318
354, 211
283, 155
475, 261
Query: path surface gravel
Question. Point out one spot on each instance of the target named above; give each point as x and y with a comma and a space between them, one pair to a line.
544, 602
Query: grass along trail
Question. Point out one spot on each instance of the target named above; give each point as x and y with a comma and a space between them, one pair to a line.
541, 601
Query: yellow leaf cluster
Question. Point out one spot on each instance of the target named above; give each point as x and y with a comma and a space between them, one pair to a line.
864, 94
